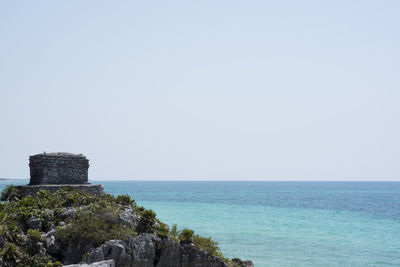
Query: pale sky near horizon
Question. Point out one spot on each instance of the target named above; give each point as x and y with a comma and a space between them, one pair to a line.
247, 90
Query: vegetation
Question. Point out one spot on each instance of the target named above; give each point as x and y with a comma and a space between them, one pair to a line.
125, 200
32, 244
78, 218
205, 243
93, 229
146, 222
174, 231
186, 235
10, 193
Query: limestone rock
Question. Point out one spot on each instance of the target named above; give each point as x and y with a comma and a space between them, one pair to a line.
170, 256
195, 257
144, 250
74, 252
147, 250
240, 263
127, 217
108, 263
118, 251
95, 255
52, 245
68, 214
34, 223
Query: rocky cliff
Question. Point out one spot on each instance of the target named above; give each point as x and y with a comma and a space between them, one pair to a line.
74, 228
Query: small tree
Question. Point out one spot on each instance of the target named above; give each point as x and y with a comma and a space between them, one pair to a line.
186, 235
10, 193
174, 231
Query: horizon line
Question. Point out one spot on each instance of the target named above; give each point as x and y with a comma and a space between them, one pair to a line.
238, 180
229, 180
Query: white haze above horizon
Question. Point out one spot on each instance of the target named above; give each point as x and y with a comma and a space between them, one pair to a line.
203, 90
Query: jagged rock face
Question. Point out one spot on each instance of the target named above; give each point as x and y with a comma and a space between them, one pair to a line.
67, 214
53, 247
74, 252
128, 217
147, 250
139, 251
240, 263
108, 263
175, 254
34, 223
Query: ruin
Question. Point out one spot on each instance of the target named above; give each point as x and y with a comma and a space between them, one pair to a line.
58, 168
52, 171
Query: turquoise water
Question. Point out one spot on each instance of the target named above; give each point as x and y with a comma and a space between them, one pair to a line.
282, 223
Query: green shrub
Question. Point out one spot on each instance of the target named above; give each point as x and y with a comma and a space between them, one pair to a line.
186, 235
207, 244
10, 193
108, 215
125, 200
149, 214
140, 208
10, 254
146, 222
43, 193
174, 231
10, 232
163, 230
39, 260
34, 235
93, 229
53, 264
32, 242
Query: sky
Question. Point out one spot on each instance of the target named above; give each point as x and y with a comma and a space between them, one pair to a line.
203, 90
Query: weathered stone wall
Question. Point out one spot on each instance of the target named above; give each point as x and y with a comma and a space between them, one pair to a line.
58, 168
31, 190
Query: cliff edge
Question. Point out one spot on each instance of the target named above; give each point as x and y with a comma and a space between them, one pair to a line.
74, 228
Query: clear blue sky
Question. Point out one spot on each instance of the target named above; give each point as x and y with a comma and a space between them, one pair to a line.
203, 89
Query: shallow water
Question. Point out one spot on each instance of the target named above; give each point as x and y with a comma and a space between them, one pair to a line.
282, 223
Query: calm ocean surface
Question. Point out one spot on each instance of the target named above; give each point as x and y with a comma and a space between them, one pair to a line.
281, 223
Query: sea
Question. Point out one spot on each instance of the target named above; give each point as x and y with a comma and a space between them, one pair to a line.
280, 223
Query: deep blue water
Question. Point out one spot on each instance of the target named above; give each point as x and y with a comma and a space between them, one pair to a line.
282, 223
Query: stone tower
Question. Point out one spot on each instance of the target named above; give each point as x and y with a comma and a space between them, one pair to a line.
58, 168
53, 171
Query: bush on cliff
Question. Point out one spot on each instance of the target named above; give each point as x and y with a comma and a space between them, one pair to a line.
32, 243
10, 193
94, 228
205, 243
125, 200
174, 231
9, 254
186, 235
146, 222
163, 230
